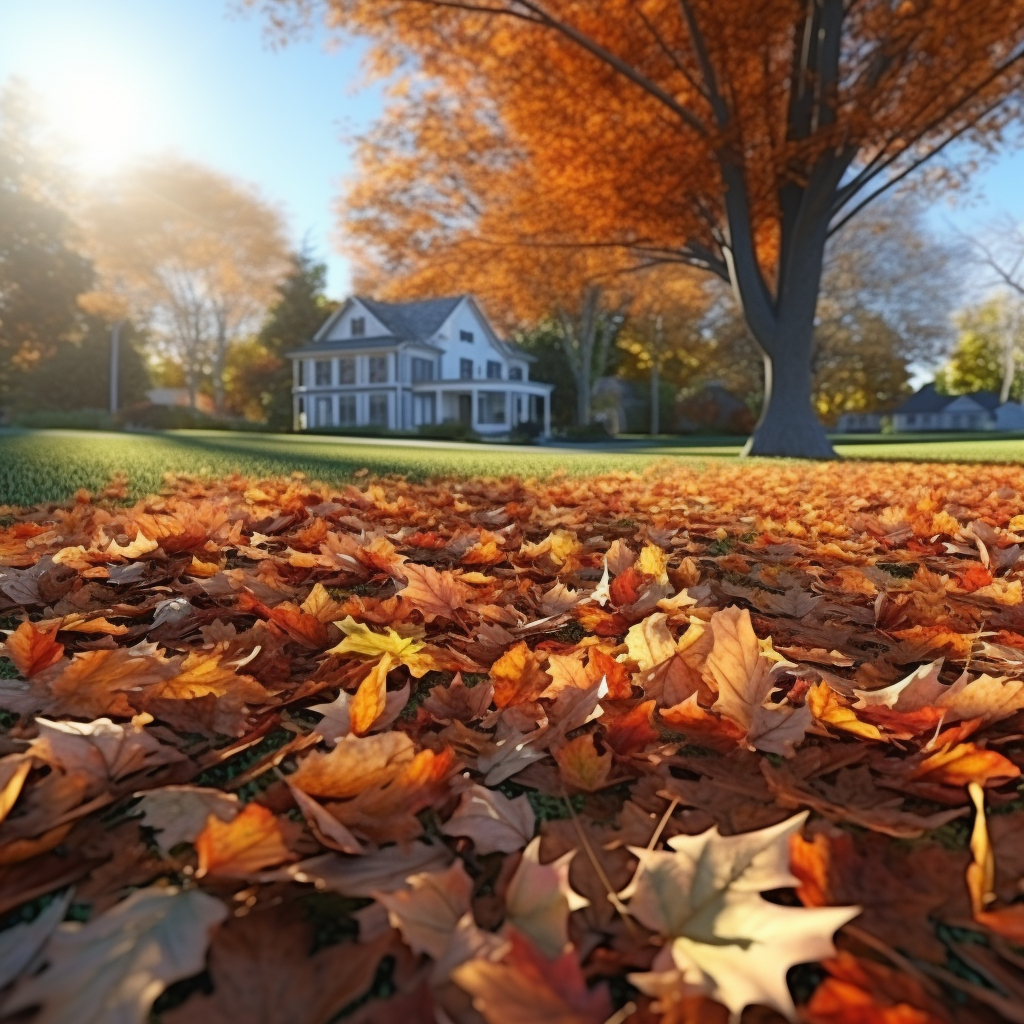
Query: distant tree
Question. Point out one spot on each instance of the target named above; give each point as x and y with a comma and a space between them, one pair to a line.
860, 366
77, 375
988, 333
888, 293
261, 373
193, 252
42, 273
1000, 253
664, 319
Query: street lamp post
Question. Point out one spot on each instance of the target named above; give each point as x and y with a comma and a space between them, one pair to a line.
115, 361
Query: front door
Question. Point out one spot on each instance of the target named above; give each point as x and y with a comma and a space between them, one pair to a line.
466, 410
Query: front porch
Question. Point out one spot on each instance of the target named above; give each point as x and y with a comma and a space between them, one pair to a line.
486, 407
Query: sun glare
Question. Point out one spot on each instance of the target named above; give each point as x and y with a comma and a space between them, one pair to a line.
102, 117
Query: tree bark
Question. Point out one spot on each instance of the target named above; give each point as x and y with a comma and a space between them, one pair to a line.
782, 324
219, 359
788, 425
1009, 358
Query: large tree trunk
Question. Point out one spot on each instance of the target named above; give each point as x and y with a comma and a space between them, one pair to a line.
583, 382
782, 324
788, 425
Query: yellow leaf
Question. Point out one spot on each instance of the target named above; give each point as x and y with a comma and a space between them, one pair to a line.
371, 697
825, 706
360, 639
654, 562
649, 642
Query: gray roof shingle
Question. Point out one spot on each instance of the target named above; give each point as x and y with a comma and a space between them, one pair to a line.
925, 399
414, 321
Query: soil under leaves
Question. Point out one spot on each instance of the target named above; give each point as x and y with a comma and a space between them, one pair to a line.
628, 748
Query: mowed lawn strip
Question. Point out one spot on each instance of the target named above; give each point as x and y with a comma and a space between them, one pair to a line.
50, 465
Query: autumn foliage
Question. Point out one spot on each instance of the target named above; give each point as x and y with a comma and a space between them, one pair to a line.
629, 748
734, 136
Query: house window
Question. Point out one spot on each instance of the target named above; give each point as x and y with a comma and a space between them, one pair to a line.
466, 336
302, 372
324, 417
465, 369
515, 373
911, 420
358, 326
422, 369
491, 407
322, 371
347, 370
493, 370
379, 410
378, 369
347, 411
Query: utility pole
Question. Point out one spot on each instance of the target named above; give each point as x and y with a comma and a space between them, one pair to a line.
655, 382
115, 362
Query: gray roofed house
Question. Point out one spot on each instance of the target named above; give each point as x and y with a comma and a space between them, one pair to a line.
927, 410
405, 365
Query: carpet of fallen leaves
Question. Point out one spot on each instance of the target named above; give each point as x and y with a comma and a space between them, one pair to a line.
662, 747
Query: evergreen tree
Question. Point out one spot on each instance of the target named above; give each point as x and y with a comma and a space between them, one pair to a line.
263, 379
41, 274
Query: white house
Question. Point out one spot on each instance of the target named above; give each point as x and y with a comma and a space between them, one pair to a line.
402, 365
926, 410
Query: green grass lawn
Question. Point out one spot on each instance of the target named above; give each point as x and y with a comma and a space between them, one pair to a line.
50, 465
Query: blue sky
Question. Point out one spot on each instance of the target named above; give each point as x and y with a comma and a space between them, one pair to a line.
135, 77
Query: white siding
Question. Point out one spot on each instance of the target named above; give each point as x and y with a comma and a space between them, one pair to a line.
464, 318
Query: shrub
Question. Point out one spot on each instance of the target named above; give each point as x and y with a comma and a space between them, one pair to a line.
146, 416
587, 432
527, 433
451, 430
65, 419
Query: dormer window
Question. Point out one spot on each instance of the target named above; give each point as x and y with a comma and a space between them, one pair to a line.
515, 373
358, 326
466, 336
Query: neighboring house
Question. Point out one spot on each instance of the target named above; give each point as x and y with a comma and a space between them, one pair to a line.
402, 365
927, 410
179, 397
859, 423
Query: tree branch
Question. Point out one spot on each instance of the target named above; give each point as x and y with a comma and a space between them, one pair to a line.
591, 46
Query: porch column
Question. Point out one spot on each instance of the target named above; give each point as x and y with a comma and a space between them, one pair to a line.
438, 409
508, 409
295, 397
474, 420
547, 414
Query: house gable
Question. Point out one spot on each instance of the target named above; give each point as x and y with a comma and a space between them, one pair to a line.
338, 326
965, 404
468, 320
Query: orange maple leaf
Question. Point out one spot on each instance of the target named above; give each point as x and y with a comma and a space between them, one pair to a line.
32, 650
248, 843
518, 677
